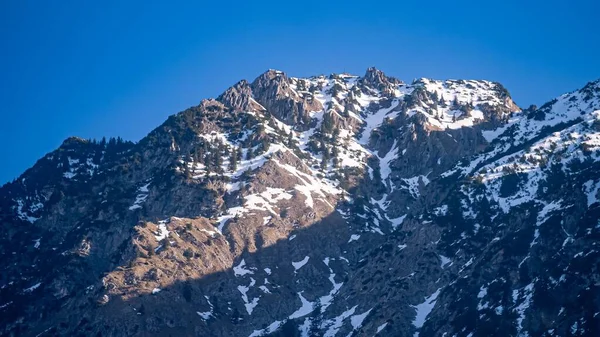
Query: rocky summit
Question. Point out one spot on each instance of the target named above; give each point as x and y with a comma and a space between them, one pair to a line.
335, 205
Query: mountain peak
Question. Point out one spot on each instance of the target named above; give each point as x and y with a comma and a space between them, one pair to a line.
329, 206
373, 72
375, 78
273, 73
73, 140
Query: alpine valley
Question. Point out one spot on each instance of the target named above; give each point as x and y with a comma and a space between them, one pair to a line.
333, 205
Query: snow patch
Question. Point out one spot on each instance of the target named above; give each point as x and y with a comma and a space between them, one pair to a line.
357, 320
445, 261
300, 264
354, 237
162, 233
32, 288
423, 310
305, 309
249, 304
240, 269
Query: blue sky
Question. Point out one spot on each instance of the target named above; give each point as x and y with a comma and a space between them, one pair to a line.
119, 68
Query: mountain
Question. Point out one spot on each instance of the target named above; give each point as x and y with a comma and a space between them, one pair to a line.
333, 205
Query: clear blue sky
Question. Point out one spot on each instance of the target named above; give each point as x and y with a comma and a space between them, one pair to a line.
104, 68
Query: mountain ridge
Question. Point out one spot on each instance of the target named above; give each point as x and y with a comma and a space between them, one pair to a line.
361, 196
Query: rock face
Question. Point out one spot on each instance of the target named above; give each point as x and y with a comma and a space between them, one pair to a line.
321, 206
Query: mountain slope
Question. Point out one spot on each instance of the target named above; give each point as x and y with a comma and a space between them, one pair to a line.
317, 206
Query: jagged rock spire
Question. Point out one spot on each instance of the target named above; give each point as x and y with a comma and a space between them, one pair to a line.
376, 79
273, 90
271, 84
239, 97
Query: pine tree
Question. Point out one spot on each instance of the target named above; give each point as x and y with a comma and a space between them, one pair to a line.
233, 160
455, 103
434, 97
218, 161
221, 148
325, 158
265, 144
377, 175
238, 156
335, 152
207, 160
327, 124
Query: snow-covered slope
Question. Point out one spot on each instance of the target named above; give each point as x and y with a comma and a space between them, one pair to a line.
528, 217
